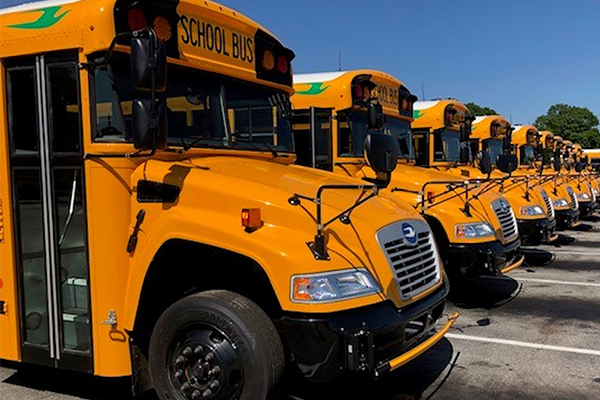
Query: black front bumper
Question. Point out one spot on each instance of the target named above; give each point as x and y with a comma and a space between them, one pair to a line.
480, 259
535, 232
364, 339
566, 218
587, 208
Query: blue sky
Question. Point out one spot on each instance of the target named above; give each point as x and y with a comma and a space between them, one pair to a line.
516, 56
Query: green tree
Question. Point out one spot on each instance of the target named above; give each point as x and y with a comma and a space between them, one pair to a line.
577, 124
477, 110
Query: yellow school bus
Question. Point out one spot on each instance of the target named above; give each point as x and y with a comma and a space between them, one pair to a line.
571, 174
153, 224
332, 118
564, 200
535, 212
586, 175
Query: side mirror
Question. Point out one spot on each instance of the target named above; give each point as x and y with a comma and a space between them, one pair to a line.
485, 162
148, 62
464, 155
381, 152
464, 133
148, 132
507, 163
556, 163
579, 166
375, 116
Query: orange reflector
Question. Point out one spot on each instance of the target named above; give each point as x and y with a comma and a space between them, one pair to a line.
268, 60
1, 283
430, 197
251, 218
162, 27
301, 286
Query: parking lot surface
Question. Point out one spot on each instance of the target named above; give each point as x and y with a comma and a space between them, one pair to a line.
533, 334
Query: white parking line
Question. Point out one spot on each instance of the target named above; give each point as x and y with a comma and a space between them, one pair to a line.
558, 282
538, 346
575, 253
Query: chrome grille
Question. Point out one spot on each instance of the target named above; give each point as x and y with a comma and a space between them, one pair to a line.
416, 267
549, 205
574, 201
506, 217
589, 185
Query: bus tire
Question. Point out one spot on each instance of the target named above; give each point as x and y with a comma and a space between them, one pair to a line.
215, 345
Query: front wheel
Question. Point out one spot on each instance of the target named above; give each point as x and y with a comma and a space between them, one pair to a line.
215, 345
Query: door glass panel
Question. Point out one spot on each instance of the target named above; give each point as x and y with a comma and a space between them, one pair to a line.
64, 100
22, 105
72, 258
28, 205
323, 139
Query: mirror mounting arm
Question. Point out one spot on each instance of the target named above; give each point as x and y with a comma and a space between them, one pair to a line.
319, 247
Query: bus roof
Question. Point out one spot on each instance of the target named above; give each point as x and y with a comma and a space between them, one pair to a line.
431, 114
482, 126
334, 89
519, 135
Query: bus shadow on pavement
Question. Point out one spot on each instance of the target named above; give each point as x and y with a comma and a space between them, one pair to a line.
69, 383
484, 292
408, 382
538, 257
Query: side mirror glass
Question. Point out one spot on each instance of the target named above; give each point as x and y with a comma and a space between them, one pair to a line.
507, 163
464, 154
148, 134
464, 133
485, 162
381, 152
375, 116
148, 58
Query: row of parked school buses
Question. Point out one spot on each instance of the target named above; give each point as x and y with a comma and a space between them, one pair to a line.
177, 206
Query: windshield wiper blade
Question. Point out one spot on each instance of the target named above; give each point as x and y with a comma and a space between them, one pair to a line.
256, 145
187, 146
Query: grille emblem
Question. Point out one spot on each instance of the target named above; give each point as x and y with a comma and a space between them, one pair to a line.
409, 233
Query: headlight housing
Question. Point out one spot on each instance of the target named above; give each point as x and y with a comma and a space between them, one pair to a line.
583, 197
531, 210
473, 230
333, 286
560, 203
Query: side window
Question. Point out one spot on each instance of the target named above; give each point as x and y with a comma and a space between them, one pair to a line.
301, 128
421, 147
321, 156
65, 114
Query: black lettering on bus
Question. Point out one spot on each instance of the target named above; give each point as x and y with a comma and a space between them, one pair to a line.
225, 43
218, 40
235, 45
250, 45
193, 41
185, 38
202, 35
210, 37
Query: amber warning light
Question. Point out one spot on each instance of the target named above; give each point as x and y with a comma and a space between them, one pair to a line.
251, 219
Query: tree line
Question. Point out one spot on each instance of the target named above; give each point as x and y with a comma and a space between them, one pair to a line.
577, 124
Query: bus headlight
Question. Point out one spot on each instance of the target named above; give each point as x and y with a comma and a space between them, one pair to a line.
473, 230
333, 286
531, 210
583, 197
560, 203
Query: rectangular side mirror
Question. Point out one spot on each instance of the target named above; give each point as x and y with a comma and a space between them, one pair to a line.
464, 133
375, 115
507, 163
149, 133
464, 154
148, 57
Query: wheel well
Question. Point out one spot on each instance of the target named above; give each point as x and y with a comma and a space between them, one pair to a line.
440, 235
181, 268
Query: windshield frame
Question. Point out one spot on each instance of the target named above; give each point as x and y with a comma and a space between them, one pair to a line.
275, 98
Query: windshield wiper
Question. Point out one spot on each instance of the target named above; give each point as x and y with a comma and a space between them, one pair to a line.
187, 146
256, 145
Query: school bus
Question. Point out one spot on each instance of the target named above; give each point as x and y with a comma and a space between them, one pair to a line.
571, 174
333, 113
153, 224
564, 200
587, 174
535, 216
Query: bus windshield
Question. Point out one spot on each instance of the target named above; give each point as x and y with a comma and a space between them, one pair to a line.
353, 129
494, 147
446, 146
203, 110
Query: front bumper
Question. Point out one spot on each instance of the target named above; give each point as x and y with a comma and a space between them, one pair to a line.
587, 208
472, 260
374, 339
565, 219
535, 232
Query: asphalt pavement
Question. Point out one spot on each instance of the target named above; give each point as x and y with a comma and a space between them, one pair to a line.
534, 334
